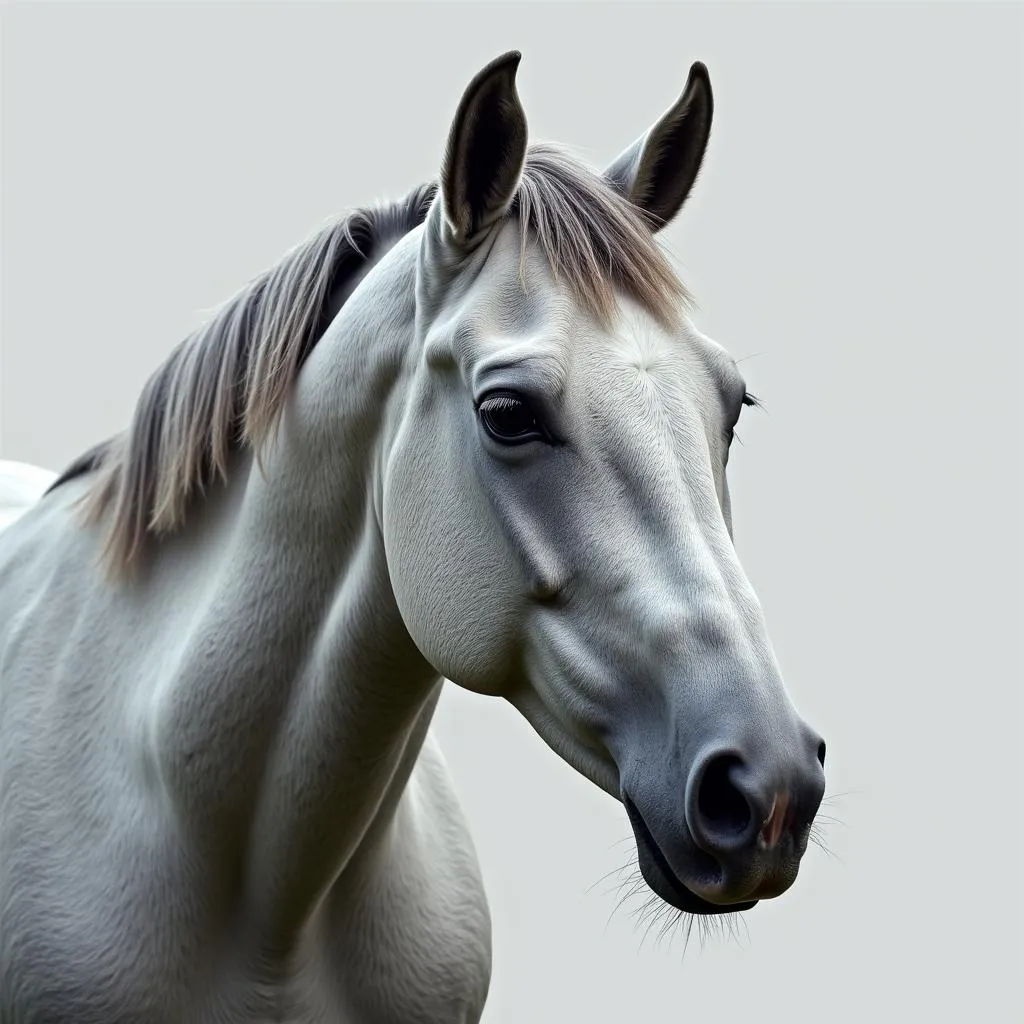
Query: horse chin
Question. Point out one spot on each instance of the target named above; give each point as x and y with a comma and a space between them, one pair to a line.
664, 882
675, 894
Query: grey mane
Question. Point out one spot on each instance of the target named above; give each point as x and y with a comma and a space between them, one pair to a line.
224, 386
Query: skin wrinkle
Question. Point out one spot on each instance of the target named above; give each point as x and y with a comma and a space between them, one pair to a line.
545, 370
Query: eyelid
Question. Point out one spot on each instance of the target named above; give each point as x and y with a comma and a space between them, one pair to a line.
520, 390
533, 402
500, 400
541, 369
537, 406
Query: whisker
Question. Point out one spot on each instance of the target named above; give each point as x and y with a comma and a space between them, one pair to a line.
652, 915
634, 881
829, 819
634, 884
671, 920
838, 796
624, 839
816, 833
819, 841
689, 932
614, 871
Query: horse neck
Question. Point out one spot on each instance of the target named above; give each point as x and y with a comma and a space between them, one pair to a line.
300, 684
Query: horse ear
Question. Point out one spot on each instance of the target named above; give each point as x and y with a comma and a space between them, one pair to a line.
657, 172
486, 150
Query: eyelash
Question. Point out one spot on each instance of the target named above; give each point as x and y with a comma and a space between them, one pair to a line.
748, 400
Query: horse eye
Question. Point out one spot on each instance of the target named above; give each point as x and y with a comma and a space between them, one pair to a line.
509, 419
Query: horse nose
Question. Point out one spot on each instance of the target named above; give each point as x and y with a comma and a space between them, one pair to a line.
739, 803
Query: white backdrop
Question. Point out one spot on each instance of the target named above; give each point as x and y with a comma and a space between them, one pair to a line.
855, 237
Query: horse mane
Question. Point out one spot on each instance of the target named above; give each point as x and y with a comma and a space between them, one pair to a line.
224, 387
593, 238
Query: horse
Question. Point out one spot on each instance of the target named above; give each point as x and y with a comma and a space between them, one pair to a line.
470, 435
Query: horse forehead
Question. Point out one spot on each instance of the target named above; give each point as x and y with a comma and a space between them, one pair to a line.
568, 354
683, 365
516, 307
508, 304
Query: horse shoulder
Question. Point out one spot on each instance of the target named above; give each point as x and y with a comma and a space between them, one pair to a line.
411, 923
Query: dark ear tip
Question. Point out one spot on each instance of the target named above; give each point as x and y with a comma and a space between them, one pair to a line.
698, 88
507, 62
699, 75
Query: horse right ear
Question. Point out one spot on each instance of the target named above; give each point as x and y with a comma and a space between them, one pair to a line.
485, 153
657, 172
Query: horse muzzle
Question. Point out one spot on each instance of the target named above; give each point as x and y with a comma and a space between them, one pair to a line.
742, 831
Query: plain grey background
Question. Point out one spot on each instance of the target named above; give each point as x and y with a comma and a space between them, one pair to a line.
855, 237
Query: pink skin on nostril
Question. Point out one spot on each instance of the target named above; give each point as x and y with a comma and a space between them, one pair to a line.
771, 830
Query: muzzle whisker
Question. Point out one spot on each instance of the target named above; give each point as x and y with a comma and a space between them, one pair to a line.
671, 920
633, 882
606, 876
832, 797
651, 912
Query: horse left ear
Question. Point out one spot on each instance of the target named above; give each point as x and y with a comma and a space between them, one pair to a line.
485, 153
657, 172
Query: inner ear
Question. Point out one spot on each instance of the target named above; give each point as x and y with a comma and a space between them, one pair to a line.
657, 172
485, 152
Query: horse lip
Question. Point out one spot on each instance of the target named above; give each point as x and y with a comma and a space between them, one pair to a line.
688, 900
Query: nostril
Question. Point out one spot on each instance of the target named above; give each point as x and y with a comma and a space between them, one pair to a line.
723, 809
821, 753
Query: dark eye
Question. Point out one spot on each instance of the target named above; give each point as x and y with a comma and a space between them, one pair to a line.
730, 433
748, 400
510, 419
